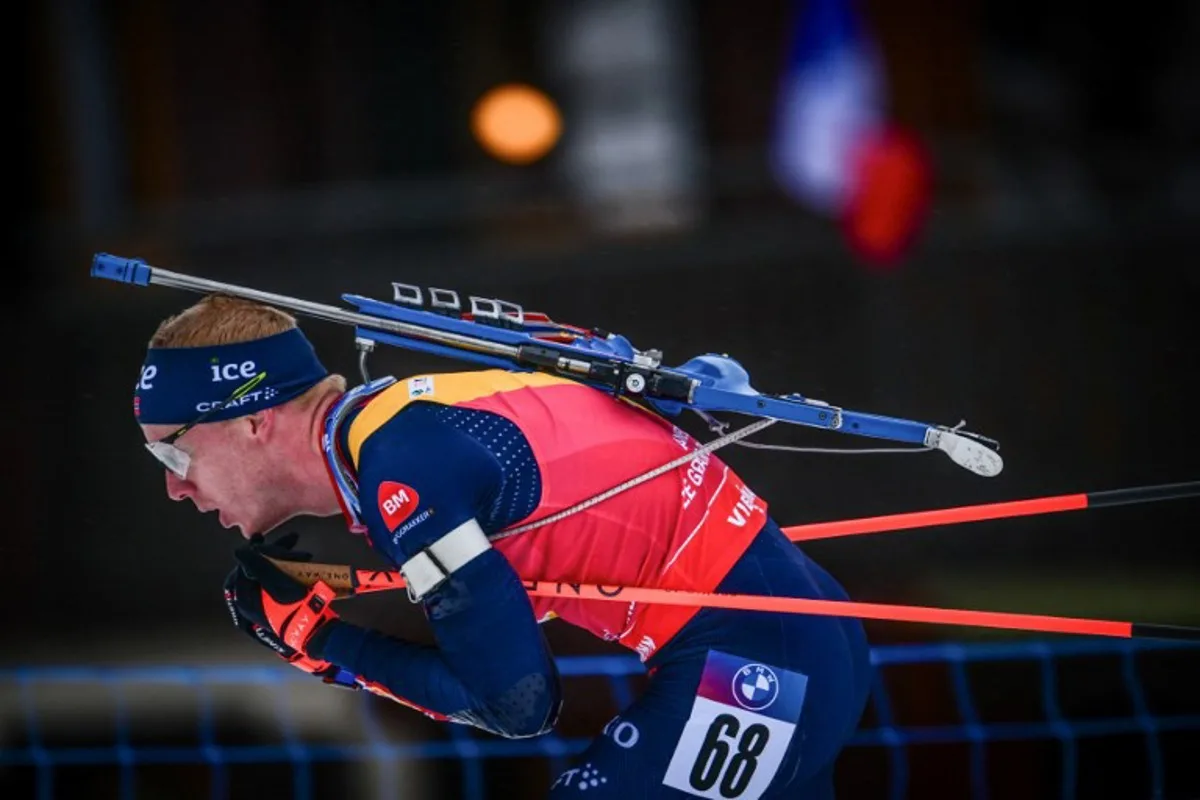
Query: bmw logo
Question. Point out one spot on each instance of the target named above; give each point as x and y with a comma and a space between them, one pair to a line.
755, 687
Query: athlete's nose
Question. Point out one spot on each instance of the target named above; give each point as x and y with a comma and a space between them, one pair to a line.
178, 489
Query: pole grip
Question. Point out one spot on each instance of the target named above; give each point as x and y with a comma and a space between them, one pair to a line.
338, 577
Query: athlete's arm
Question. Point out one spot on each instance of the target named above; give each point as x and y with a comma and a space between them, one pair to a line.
418, 480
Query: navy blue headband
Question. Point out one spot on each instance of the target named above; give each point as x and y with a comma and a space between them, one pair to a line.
178, 384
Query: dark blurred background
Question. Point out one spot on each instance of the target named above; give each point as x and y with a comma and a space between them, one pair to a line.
1047, 295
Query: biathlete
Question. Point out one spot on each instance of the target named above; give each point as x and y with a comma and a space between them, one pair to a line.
434, 469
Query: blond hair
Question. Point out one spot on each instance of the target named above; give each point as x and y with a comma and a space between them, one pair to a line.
222, 319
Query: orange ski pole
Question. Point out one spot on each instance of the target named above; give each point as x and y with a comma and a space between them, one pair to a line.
347, 581
984, 511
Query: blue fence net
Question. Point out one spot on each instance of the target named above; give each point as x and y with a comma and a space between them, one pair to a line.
982, 705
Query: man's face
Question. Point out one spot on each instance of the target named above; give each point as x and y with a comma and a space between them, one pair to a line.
230, 473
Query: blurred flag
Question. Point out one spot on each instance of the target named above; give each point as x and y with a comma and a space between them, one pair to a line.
834, 148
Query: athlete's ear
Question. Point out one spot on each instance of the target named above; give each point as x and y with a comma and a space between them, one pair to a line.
262, 424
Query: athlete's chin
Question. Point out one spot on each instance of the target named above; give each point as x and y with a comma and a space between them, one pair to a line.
252, 528
247, 529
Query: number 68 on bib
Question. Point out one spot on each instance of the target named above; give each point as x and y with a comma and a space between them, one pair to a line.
742, 720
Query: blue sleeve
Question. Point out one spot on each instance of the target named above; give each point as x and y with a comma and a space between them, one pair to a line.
418, 480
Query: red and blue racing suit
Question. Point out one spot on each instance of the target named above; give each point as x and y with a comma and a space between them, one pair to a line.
740, 704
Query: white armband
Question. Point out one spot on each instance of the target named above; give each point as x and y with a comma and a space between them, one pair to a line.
429, 569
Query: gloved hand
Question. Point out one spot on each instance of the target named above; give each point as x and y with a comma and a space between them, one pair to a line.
279, 612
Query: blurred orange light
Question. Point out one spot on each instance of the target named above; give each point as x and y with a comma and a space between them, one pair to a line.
516, 123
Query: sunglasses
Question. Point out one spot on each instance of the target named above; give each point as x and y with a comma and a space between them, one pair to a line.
178, 461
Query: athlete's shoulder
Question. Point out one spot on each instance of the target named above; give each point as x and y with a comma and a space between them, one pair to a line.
419, 470
440, 388
451, 388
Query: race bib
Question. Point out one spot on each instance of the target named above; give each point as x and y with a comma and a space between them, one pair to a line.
742, 720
